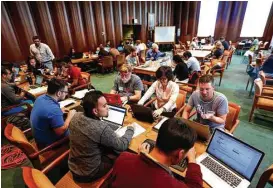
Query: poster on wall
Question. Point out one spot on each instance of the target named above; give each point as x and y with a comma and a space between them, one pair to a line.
151, 21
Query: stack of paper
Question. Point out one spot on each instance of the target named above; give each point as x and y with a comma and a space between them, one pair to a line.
66, 102
138, 130
38, 90
80, 94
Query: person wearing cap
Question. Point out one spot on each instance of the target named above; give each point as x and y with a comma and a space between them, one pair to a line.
154, 53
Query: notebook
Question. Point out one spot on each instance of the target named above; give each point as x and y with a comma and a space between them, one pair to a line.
137, 131
67, 102
228, 161
80, 94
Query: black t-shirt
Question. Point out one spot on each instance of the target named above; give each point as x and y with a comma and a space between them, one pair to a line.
226, 45
181, 71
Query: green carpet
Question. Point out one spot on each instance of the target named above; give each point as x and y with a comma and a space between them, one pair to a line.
258, 133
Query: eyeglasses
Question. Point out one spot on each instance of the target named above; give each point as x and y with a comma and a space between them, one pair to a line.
64, 91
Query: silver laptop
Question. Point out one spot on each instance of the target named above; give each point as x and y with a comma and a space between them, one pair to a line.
116, 115
229, 162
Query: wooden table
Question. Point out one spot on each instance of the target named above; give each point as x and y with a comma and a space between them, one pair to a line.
25, 87
91, 58
207, 47
150, 133
147, 70
198, 54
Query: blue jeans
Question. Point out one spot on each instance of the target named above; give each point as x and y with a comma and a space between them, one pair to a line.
17, 109
49, 65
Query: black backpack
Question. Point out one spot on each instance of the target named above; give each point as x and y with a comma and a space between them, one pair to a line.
19, 120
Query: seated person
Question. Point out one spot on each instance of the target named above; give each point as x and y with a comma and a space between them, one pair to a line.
102, 51
75, 55
149, 43
218, 50
194, 43
175, 141
120, 47
91, 138
8, 94
211, 106
154, 53
224, 43
181, 71
127, 48
192, 63
140, 46
132, 59
253, 71
268, 66
129, 86
34, 66
73, 74
166, 92
48, 125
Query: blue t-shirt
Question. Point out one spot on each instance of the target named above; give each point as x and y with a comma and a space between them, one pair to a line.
46, 115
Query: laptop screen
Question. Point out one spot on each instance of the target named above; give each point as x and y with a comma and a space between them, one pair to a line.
17, 70
116, 115
236, 154
39, 80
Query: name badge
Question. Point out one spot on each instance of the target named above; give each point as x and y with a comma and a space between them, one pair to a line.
120, 88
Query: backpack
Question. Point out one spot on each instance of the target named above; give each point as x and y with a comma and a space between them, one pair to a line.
19, 120
11, 157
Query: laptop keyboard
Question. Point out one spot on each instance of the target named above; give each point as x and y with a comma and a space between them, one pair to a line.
222, 172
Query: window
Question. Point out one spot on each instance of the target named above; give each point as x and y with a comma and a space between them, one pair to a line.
255, 18
207, 18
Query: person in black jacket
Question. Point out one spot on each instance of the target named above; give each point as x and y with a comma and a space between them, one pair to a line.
181, 70
34, 66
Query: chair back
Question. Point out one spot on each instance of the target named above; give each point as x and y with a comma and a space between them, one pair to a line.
35, 178
181, 99
107, 62
249, 59
193, 78
86, 76
232, 116
17, 137
120, 60
266, 177
114, 52
265, 44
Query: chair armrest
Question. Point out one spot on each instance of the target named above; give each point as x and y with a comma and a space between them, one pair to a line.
222, 70
149, 102
234, 126
265, 97
192, 114
57, 161
29, 107
180, 110
55, 144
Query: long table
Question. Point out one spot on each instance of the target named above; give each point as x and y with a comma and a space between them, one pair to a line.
91, 58
198, 54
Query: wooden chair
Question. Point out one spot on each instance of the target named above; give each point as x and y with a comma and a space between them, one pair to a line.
192, 84
261, 101
106, 63
114, 52
180, 102
264, 46
266, 177
120, 60
232, 120
220, 72
39, 158
231, 51
142, 56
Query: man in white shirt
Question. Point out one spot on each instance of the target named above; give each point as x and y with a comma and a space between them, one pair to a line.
41, 52
192, 63
140, 46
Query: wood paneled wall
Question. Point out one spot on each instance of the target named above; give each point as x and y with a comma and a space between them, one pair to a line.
62, 25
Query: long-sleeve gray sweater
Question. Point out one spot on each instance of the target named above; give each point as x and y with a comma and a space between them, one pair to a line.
88, 138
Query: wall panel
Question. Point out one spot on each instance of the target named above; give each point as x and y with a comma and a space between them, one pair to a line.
78, 24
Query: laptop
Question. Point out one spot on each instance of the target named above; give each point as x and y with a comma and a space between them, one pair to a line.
142, 113
17, 69
113, 99
116, 115
229, 162
201, 130
39, 81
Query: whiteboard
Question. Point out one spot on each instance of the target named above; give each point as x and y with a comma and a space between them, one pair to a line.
165, 34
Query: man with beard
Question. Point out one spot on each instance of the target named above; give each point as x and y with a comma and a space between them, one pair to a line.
91, 140
211, 106
129, 86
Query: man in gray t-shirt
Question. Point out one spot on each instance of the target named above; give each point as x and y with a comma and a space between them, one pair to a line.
211, 106
129, 86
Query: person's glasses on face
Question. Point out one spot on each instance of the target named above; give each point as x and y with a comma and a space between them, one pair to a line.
124, 74
66, 92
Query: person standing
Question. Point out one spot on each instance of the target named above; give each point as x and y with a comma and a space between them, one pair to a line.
42, 53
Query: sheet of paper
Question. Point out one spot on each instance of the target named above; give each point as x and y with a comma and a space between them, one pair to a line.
38, 90
80, 94
138, 130
157, 126
66, 102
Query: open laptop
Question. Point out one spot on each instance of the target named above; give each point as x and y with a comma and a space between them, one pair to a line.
142, 113
229, 162
116, 115
113, 99
202, 131
39, 81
